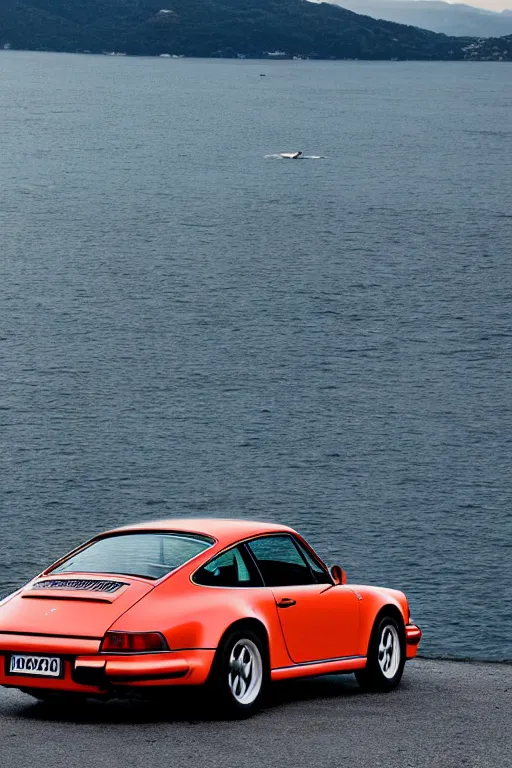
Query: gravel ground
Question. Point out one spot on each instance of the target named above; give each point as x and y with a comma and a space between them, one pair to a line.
445, 713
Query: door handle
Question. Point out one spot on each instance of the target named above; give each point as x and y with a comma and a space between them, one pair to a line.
286, 602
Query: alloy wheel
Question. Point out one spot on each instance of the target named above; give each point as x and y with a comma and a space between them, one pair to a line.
389, 654
245, 675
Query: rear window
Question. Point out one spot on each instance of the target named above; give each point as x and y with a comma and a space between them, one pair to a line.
150, 555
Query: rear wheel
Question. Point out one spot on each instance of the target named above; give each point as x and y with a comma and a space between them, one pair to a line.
240, 674
386, 657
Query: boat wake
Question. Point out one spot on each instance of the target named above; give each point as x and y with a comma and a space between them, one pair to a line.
302, 157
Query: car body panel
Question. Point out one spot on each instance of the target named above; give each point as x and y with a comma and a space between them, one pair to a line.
312, 669
326, 628
48, 644
69, 613
332, 610
193, 616
372, 601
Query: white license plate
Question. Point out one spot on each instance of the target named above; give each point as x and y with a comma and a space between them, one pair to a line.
37, 666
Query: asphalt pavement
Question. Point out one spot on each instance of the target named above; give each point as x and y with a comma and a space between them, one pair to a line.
452, 714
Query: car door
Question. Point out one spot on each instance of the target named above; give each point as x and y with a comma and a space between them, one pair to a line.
319, 620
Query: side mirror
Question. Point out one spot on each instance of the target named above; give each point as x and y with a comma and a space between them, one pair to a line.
339, 576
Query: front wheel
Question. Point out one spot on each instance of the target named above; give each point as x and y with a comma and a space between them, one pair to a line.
240, 674
386, 657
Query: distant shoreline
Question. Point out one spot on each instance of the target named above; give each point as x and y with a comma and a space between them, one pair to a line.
262, 59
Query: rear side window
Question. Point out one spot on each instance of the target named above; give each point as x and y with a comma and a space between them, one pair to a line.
150, 555
280, 562
230, 569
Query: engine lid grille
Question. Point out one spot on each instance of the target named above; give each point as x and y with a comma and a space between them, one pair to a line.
84, 585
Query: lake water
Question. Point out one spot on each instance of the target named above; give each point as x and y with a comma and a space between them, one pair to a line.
189, 327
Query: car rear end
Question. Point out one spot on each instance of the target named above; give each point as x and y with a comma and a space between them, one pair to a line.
54, 621
55, 637
56, 633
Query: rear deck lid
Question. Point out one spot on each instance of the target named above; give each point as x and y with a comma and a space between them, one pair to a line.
95, 589
83, 605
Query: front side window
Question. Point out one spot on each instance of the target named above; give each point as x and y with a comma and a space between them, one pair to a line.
280, 562
230, 569
150, 555
321, 577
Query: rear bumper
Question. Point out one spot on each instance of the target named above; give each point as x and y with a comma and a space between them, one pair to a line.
413, 636
189, 667
94, 673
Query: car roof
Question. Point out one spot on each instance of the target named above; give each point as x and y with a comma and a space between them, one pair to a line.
225, 531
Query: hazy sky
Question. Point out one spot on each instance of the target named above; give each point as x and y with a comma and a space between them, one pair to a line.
491, 5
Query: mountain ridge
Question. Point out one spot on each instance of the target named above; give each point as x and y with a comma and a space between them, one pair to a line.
454, 19
228, 28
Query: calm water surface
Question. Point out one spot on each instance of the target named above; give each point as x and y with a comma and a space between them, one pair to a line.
190, 328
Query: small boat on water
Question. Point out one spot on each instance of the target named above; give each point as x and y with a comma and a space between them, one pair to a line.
290, 155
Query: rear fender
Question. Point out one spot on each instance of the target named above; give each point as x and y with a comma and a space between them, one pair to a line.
193, 616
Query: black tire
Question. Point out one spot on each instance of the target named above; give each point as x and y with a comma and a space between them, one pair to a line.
375, 676
245, 651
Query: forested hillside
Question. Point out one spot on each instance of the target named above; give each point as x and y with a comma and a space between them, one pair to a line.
225, 28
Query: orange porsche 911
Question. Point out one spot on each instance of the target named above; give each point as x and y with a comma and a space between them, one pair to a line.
230, 605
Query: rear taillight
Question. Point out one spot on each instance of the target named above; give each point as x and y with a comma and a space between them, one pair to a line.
133, 642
